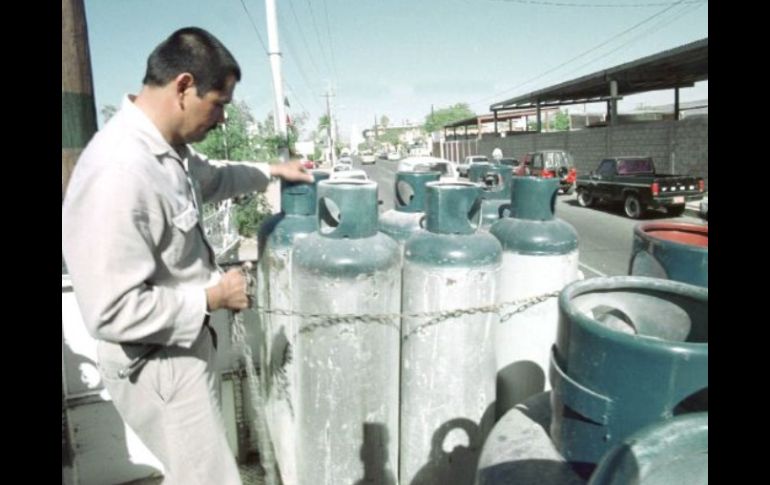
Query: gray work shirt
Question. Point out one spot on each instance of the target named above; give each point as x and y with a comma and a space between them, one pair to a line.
132, 236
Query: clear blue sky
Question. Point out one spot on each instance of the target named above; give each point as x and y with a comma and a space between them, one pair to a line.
398, 57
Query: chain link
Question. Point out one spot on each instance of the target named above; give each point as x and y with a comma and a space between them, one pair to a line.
326, 320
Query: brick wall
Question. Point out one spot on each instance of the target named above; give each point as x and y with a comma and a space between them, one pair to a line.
679, 147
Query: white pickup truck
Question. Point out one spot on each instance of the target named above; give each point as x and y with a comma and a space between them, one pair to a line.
462, 168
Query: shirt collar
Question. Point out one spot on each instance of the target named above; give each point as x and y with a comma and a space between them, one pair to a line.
150, 133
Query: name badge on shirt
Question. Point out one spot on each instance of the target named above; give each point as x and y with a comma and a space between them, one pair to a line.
186, 219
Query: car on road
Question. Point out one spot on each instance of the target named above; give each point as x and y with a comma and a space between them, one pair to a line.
551, 164
446, 168
463, 168
355, 174
394, 156
635, 182
367, 157
345, 159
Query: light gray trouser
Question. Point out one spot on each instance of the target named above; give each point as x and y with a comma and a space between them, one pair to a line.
172, 404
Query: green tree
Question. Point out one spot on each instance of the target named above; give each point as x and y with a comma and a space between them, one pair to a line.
437, 119
234, 141
560, 122
384, 121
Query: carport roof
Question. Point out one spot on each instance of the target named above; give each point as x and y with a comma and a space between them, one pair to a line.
678, 67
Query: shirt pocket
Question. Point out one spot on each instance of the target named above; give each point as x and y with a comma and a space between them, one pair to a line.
183, 236
186, 219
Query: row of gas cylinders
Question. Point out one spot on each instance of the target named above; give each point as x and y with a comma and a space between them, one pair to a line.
389, 345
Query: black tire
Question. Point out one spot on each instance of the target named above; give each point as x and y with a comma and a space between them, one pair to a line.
570, 190
632, 207
675, 210
585, 199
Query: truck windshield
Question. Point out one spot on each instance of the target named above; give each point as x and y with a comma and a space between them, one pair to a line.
630, 166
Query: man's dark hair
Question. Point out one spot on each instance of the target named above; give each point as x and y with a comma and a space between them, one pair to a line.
196, 51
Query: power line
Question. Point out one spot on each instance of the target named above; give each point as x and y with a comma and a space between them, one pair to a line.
598, 5
331, 46
318, 36
304, 39
654, 28
583, 54
264, 47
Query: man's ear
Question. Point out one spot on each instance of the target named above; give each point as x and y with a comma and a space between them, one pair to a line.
183, 82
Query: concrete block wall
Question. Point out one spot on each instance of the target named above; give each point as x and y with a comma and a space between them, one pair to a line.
679, 147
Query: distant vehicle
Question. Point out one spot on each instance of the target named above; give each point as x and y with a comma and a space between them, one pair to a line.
462, 168
633, 181
367, 157
447, 169
551, 164
308, 164
394, 156
356, 174
511, 162
346, 160
340, 167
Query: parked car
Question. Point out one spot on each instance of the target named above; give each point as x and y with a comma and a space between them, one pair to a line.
511, 162
356, 174
634, 181
367, 157
447, 169
341, 167
462, 168
394, 156
345, 159
550, 164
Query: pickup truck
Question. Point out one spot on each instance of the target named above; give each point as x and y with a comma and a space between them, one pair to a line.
462, 168
634, 182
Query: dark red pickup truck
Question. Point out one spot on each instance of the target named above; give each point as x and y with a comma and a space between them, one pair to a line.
634, 182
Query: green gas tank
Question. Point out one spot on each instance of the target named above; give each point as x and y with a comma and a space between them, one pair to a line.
496, 186
671, 451
409, 191
540, 256
275, 336
347, 285
631, 351
671, 250
447, 353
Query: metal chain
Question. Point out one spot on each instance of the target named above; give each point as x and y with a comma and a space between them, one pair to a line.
326, 320
238, 338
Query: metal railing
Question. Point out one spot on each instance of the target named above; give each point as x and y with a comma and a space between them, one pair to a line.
220, 228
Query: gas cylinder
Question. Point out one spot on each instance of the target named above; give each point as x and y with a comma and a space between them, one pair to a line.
496, 182
409, 190
275, 337
540, 256
630, 351
447, 362
671, 250
347, 285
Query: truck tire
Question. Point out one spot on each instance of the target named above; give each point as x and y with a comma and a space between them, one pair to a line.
675, 210
585, 199
632, 207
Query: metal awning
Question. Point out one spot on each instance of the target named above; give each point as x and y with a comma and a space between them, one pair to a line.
675, 68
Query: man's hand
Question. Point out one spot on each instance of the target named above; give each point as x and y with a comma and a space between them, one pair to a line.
229, 293
293, 171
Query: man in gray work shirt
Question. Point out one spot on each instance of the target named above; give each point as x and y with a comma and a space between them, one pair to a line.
142, 269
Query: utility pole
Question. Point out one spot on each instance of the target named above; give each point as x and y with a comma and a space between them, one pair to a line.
329, 127
274, 53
